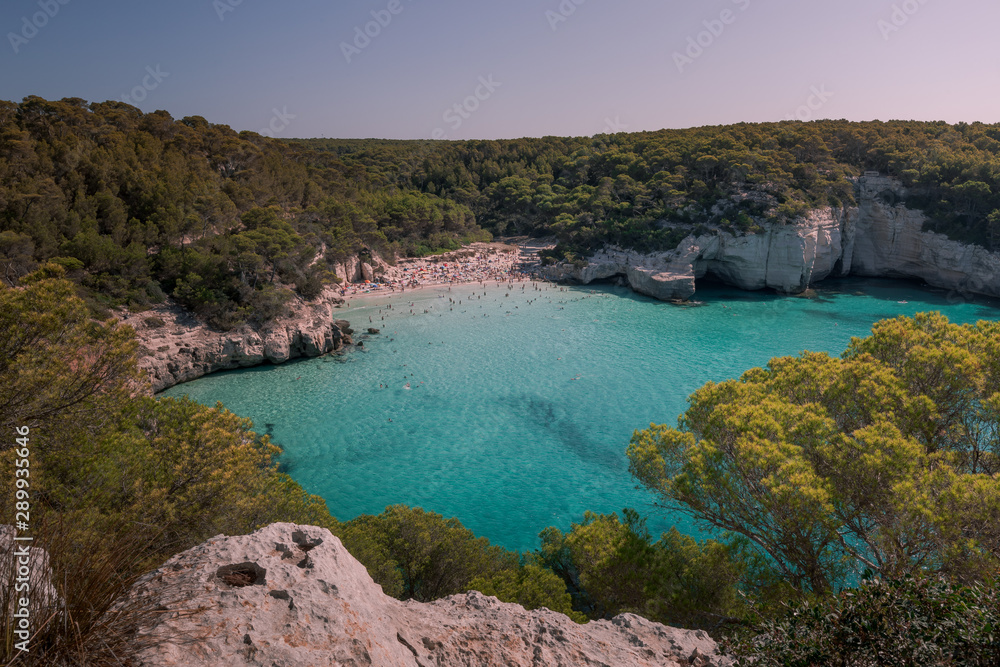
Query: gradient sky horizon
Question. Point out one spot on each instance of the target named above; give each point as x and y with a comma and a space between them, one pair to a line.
306, 68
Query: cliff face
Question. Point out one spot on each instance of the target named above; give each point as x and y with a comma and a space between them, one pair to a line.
878, 238
354, 270
182, 349
292, 595
888, 241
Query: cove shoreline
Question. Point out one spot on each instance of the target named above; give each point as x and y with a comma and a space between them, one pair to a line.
528, 413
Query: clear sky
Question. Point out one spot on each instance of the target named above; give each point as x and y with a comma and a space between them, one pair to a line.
514, 68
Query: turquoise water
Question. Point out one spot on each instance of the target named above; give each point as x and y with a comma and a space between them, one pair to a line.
520, 407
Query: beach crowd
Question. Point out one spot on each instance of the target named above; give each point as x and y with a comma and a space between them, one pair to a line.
479, 263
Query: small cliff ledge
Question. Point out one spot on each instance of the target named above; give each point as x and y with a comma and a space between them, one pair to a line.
878, 238
293, 596
178, 348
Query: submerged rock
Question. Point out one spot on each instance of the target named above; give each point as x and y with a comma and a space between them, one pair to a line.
293, 596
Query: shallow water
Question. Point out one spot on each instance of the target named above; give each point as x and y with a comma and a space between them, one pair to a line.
520, 407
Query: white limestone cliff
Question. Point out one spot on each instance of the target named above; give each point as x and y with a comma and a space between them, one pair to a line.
176, 348
877, 238
888, 241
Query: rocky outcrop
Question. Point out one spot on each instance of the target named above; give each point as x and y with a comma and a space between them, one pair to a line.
783, 258
355, 270
178, 348
293, 596
887, 240
878, 238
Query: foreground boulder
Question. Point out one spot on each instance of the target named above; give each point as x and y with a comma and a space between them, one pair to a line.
293, 596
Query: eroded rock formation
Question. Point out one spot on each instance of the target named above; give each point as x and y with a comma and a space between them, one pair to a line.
293, 596
178, 348
878, 238
355, 270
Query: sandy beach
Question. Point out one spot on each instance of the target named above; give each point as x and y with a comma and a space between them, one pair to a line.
481, 264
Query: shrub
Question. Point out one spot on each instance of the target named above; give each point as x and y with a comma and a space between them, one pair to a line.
434, 556
420, 555
532, 586
906, 622
615, 567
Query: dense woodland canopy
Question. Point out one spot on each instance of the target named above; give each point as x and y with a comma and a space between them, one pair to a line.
235, 225
887, 459
647, 190
137, 206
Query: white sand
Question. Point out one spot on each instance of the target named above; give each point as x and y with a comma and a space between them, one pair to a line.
479, 263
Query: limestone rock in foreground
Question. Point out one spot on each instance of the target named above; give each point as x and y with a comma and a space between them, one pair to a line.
293, 596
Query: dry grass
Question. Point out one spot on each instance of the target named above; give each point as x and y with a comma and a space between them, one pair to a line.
92, 620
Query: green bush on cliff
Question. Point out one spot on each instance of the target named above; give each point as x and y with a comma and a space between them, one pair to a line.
882, 465
108, 455
615, 567
532, 585
422, 556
